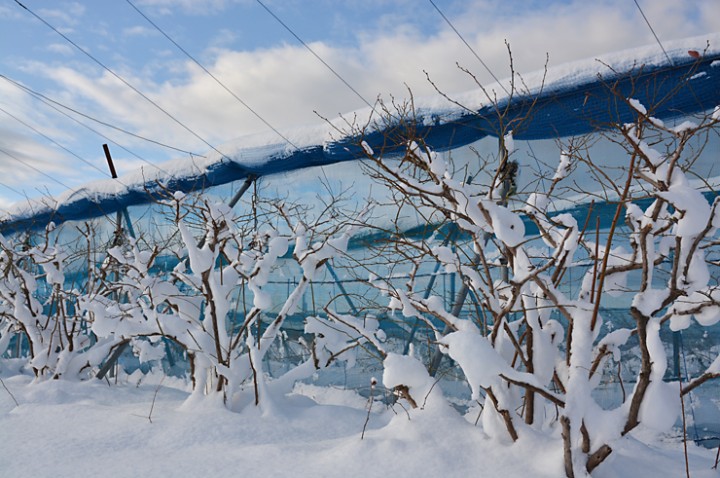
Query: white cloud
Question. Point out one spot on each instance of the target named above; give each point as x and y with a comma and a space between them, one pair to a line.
29, 163
138, 31
197, 7
69, 15
19, 141
9, 12
224, 38
61, 49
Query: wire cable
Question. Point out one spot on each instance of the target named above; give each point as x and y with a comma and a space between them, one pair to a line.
653, 32
315, 54
447, 20
91, 118
48, 103
232, 93
104, 173
13, 190
125, 82
54, 179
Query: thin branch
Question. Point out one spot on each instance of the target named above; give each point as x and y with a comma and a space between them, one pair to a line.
9, 393
533, 388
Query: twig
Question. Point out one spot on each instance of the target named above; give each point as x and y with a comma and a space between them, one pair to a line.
598, 457
373, 382
507, 418
480, 412
152, 405
255, 379
567, 447
17, 404
699, 381
606, 256
431, 389
403, 391
684, 428
404, 409
539, 390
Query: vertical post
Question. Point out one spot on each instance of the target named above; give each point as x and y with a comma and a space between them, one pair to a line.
452, 285
123, 211
452, 232
113, 174
503, 169
109, 364
676, 354
457, 308
344, 292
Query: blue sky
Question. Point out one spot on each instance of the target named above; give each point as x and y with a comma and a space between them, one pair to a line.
378, 46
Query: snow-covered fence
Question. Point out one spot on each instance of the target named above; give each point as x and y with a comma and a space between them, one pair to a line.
527, 368
56, 330
126, 301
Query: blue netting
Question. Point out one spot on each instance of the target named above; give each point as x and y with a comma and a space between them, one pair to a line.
688, 86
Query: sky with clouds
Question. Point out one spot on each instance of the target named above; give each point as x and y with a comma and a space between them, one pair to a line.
379, 47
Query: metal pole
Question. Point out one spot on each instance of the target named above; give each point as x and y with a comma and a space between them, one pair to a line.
246, 185
452, 233
457, 308
123, 212
342, 288
248, 182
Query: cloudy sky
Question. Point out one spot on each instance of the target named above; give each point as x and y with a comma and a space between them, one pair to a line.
377, 46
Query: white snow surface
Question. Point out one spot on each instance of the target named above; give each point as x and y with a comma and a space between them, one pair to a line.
256, 150
89, 429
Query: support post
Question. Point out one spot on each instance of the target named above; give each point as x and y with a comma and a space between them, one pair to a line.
676, 354
123, 212
342, 288
452, 233
457, 308
112, 360
234, 200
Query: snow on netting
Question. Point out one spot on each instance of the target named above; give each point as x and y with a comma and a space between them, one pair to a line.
572, 99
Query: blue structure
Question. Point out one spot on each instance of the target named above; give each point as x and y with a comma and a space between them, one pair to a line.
675, 87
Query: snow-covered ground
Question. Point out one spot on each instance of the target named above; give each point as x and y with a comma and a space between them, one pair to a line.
145, 428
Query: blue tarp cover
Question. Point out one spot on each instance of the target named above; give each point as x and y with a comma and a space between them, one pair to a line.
680, 87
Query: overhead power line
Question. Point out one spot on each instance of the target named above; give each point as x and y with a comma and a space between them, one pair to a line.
125, 82
49, 100
232, 93
51, 178
12, 189
653, 32
109, 140
447, 20
29, 126
57, 107
302, 42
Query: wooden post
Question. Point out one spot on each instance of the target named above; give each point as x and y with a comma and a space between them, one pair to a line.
113, 173
120, 348
118, 215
